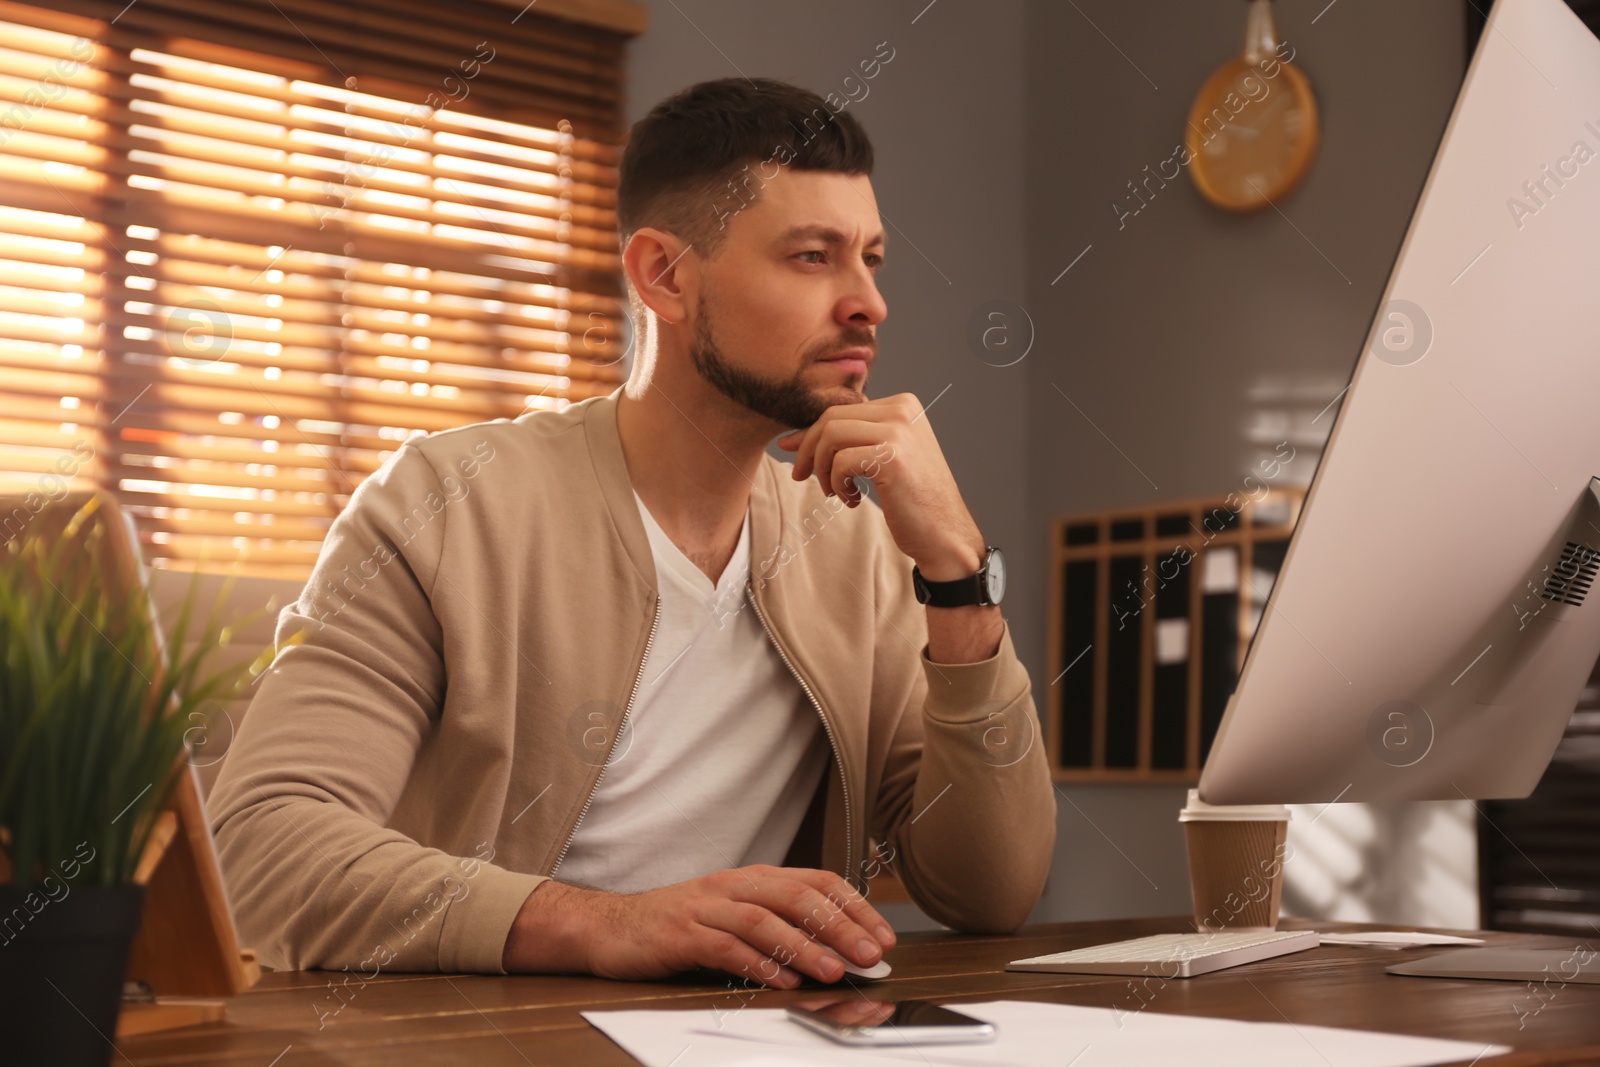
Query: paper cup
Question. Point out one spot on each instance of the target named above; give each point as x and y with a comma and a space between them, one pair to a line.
1236, 858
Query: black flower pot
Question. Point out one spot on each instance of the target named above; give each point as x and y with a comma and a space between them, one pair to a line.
61, 970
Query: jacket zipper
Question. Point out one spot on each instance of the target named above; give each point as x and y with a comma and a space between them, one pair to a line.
833, 742
632, 693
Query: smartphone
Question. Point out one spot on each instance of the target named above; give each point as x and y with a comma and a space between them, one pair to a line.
858, 1021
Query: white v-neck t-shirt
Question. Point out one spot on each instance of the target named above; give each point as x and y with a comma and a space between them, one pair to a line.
722, 751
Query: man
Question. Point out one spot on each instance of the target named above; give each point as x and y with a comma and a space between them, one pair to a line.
609, 689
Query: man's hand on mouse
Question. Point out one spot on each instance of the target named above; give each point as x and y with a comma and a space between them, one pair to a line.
890, 441
771, 924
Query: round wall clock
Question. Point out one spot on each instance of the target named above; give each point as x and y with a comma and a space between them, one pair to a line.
1253, 127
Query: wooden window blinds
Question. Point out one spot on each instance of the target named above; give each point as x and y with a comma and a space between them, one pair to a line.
247, 249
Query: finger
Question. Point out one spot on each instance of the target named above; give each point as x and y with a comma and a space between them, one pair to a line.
806, 443
765, 932
789, 441
851, 463
883, 410
727, 951
818, 918
841, 433
843, 893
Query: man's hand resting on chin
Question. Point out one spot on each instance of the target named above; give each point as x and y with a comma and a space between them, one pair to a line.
767, 923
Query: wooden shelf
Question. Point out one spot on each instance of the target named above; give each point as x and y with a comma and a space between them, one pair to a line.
1151, 613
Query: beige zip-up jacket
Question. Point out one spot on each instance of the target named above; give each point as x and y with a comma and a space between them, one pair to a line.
418, 758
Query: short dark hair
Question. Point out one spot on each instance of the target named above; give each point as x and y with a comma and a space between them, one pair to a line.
702, 155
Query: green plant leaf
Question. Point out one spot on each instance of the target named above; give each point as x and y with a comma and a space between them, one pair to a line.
94, 702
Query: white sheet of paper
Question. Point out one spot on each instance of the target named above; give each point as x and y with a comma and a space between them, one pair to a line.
1397, 938
1060, 1035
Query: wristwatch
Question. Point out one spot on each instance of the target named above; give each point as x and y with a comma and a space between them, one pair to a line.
983, 588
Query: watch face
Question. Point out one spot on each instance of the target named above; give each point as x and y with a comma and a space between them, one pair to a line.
997, 576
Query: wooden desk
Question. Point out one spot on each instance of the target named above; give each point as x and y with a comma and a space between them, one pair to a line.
402, 1020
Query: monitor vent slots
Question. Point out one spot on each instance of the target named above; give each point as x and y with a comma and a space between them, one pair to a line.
1573, 575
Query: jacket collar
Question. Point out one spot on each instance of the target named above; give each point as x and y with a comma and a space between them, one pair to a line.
611, 471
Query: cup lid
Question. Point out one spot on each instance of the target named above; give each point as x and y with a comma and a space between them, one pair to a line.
1197, 810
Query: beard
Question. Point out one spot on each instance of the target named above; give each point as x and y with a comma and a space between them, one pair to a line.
790, 402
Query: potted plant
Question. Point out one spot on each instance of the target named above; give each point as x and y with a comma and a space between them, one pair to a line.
94, 706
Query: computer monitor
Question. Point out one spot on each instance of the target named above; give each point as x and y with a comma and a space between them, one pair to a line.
1434, 620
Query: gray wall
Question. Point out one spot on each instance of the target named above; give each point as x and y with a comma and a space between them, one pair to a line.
1194, 340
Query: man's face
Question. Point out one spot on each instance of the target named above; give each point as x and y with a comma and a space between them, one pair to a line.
791, 289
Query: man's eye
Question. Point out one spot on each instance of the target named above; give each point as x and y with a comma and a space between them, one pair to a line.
814, 252
873, 260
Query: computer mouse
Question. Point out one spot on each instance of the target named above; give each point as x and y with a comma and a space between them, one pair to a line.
878, 970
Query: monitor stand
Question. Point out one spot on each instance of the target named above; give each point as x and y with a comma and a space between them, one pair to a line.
1559, 590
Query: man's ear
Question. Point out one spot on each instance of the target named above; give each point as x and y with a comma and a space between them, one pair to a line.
653, 260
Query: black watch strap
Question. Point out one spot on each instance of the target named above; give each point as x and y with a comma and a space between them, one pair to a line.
959, 593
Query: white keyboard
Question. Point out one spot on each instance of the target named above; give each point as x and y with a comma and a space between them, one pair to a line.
1173, 955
